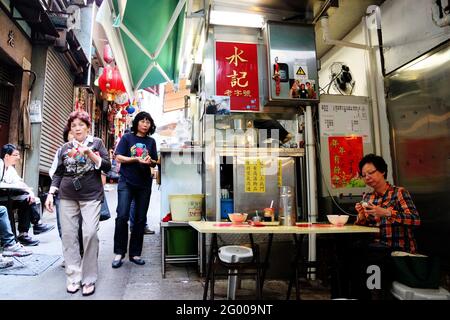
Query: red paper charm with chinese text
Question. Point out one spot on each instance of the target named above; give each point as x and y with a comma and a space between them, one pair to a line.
345, 154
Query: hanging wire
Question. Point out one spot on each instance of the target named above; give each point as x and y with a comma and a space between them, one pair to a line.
316, 130
336, 75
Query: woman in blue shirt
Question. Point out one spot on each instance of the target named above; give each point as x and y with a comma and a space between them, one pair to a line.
136, 153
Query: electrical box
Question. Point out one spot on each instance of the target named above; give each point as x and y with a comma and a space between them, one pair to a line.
292, 64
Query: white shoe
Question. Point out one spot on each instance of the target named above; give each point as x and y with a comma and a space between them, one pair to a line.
5, 262
16, 250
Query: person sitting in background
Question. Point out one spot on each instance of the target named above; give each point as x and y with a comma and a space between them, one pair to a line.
11, 248
387, 206
390, 208
26, 203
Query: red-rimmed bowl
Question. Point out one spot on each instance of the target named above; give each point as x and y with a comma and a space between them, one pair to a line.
237, 218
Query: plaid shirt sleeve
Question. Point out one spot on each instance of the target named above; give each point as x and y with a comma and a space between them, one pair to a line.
404, 211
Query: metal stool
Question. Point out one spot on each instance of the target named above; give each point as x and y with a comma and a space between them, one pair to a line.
235, 259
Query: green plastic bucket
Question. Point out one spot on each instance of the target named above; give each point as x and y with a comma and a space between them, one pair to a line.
181, 241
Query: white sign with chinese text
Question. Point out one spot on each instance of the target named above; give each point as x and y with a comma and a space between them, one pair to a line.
345, 119
35, 111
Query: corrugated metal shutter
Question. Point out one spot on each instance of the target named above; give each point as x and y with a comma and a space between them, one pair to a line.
7, 76
6, 92
58, 104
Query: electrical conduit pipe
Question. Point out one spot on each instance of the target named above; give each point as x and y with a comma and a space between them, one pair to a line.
311, 178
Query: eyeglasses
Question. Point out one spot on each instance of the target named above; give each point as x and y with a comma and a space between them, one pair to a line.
370, 173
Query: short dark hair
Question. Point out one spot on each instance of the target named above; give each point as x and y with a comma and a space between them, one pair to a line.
142, 116
7, 149
377, 161
82, 115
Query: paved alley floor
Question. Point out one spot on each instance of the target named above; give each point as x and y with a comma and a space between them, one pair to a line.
130, 282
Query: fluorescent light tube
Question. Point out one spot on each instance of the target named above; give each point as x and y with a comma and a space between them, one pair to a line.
237, 19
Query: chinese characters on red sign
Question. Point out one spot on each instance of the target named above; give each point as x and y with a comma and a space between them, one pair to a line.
345, 154
237, 74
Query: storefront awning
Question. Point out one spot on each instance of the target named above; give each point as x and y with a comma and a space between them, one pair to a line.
145, 38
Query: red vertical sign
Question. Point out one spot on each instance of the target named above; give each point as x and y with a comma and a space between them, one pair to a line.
237, 75
345, 154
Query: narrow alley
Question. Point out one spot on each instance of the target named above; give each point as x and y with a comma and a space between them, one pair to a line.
130, 282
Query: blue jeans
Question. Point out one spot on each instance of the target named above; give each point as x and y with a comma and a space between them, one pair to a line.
141, 196
132, 216
6, 236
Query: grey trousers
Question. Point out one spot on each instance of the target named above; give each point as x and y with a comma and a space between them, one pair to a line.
78, 269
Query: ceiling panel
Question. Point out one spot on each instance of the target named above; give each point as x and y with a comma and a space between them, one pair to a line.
342, 19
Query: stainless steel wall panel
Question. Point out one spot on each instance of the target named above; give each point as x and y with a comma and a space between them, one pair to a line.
419, 112
409, 31
418, 103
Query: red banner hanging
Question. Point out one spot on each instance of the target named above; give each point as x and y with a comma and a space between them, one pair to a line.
345, 154
237, 74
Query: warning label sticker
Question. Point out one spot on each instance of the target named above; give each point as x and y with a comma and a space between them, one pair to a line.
300, 71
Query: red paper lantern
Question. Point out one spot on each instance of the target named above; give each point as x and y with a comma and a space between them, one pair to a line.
110, 81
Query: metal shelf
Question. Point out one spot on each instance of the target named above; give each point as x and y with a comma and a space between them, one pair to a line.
165, 258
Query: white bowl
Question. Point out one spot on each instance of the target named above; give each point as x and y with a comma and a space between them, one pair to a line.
337, 220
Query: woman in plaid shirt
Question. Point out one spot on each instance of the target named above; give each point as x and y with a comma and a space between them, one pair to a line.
392, 210
388, 207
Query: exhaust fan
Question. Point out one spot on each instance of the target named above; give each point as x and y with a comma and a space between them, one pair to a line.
341, 78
